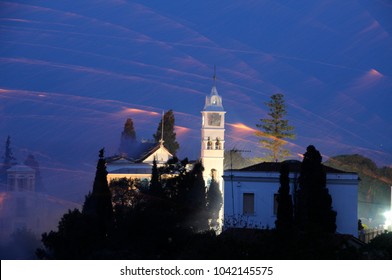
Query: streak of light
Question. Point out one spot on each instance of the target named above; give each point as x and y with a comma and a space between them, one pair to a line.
139, 111
242, 127
181, 130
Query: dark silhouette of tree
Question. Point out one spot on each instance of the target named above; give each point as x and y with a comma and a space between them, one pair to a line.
21, 246
155, 184
31, 162
214, 202
98, 203
128, 137
314, 203
76, 238
169, 136
284, 217
86, 234
275, 129
196, 199
380, 247
8, 161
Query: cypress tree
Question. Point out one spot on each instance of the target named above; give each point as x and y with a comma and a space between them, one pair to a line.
284, 217
155, 184
128, 137
98, 203
214, 202
314, 204
169, 136
196, 199
8, 161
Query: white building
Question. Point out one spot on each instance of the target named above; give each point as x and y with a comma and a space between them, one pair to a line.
213, 137
21, 207
250, 195
139, 164
20, 178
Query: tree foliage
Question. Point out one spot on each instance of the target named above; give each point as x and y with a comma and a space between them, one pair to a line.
8, 161
214, 202
128, 137
98, 203
169, 135
275, 129
314, 203
155, 184
125, 192
284, 217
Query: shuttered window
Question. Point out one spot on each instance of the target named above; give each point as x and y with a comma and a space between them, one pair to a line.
248, 203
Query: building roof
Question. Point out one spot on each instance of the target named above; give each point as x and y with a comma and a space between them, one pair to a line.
19, 168
294, 166
138, 152
152, 151
213, 101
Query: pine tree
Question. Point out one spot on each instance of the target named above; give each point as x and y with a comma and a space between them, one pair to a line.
284, 217
169, 136
314, 203
275, 129
214, 202
128, 137
8, 161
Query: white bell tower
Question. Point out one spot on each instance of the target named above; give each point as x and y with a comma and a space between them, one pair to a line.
213, 137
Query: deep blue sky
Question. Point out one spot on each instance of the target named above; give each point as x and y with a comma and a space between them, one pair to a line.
71, 72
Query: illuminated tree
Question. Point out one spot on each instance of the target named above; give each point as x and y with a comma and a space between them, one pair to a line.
214, 202
275, 129
125, 192
169, 136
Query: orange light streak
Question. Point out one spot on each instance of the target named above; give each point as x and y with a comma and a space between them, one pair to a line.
243, 127
139, 111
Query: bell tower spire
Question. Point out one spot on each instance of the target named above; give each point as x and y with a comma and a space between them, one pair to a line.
213, 136
214, 77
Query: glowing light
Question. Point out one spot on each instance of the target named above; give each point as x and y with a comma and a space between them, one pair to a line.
181, 130
374, 72
139, 111
388, 219
2, 198
243, 127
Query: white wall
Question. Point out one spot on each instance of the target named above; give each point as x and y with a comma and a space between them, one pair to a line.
343, 189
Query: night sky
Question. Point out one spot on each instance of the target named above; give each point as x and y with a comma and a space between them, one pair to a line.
71, 72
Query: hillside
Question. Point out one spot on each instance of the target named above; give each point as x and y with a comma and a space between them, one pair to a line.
374, 193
